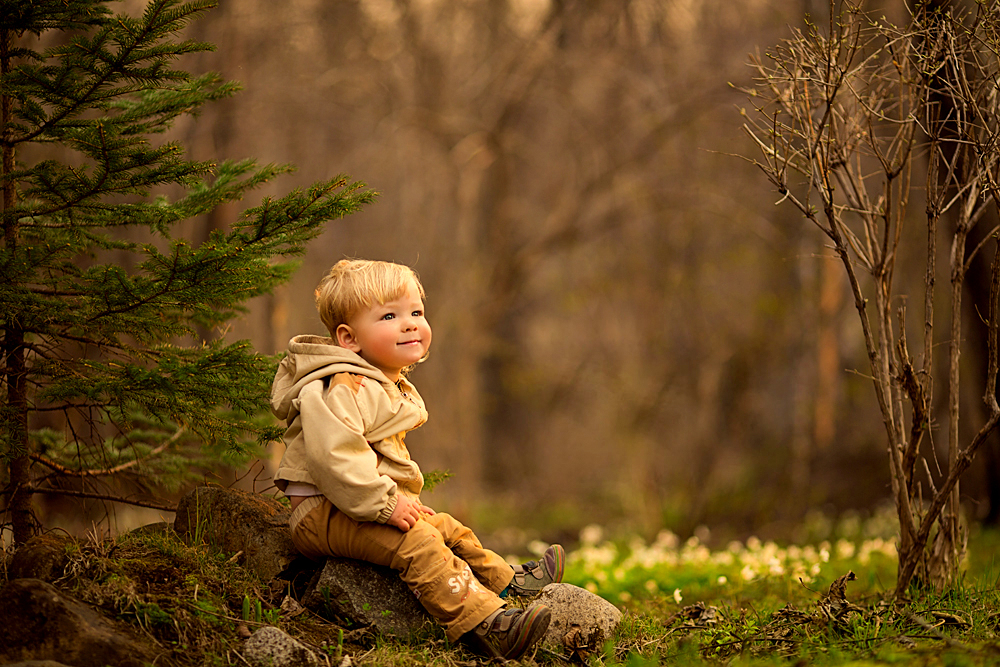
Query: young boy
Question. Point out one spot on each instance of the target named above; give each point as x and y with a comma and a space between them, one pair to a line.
355, 491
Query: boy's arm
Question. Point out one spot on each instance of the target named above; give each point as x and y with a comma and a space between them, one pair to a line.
342, 464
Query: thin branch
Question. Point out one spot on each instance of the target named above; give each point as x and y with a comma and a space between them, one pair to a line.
102, 496
69, 472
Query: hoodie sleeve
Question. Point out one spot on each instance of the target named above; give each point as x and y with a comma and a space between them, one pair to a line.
341, 463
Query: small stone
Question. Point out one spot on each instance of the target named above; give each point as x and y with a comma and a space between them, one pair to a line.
581, 621
272, 647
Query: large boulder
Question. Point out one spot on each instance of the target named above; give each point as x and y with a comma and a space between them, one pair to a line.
368, 595
256, 527
581, 621
41, 557
238, 522
38, 623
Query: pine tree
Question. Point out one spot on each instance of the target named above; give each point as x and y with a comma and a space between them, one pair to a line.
104, 374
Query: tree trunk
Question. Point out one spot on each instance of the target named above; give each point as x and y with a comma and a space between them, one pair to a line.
943, 559
15, 413
977, 286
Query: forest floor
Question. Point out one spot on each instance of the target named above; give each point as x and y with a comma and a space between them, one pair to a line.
745, 603
761, 603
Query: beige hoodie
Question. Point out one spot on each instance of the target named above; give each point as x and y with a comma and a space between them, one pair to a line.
345, 426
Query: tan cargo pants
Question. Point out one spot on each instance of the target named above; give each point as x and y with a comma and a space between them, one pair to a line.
453, 576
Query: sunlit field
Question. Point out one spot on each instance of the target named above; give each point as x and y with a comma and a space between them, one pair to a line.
633, 571
761, 602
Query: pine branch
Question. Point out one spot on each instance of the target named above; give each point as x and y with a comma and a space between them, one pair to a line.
106, 68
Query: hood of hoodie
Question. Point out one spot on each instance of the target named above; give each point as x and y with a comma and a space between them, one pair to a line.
312, 358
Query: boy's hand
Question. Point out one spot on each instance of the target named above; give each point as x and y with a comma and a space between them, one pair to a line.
406, 514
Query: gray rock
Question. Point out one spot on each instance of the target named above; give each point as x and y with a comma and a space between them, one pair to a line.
256, 527
39, 623
366, 594
271, 647
238, 522
581, 621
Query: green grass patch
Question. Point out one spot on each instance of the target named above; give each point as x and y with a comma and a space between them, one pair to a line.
763, 603
753, 603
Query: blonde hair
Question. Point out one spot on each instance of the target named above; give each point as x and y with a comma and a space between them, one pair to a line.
352, 285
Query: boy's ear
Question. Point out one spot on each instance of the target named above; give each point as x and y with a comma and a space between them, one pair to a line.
347, 339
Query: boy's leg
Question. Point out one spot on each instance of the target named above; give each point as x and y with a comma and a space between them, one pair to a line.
442, 582
489, 567
525, 580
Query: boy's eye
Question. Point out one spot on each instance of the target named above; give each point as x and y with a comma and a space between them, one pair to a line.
418, 313
388, 316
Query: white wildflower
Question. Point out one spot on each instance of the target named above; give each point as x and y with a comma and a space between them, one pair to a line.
844, 549
667, 540
591, 535
596, 557
696, 554
677, 595
723, 558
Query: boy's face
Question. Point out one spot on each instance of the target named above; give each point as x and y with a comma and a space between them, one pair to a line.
389, 336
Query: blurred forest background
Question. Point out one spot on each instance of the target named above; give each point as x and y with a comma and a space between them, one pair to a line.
627, 329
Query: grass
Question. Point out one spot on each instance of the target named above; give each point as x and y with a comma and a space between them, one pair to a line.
751, 603
760, 603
